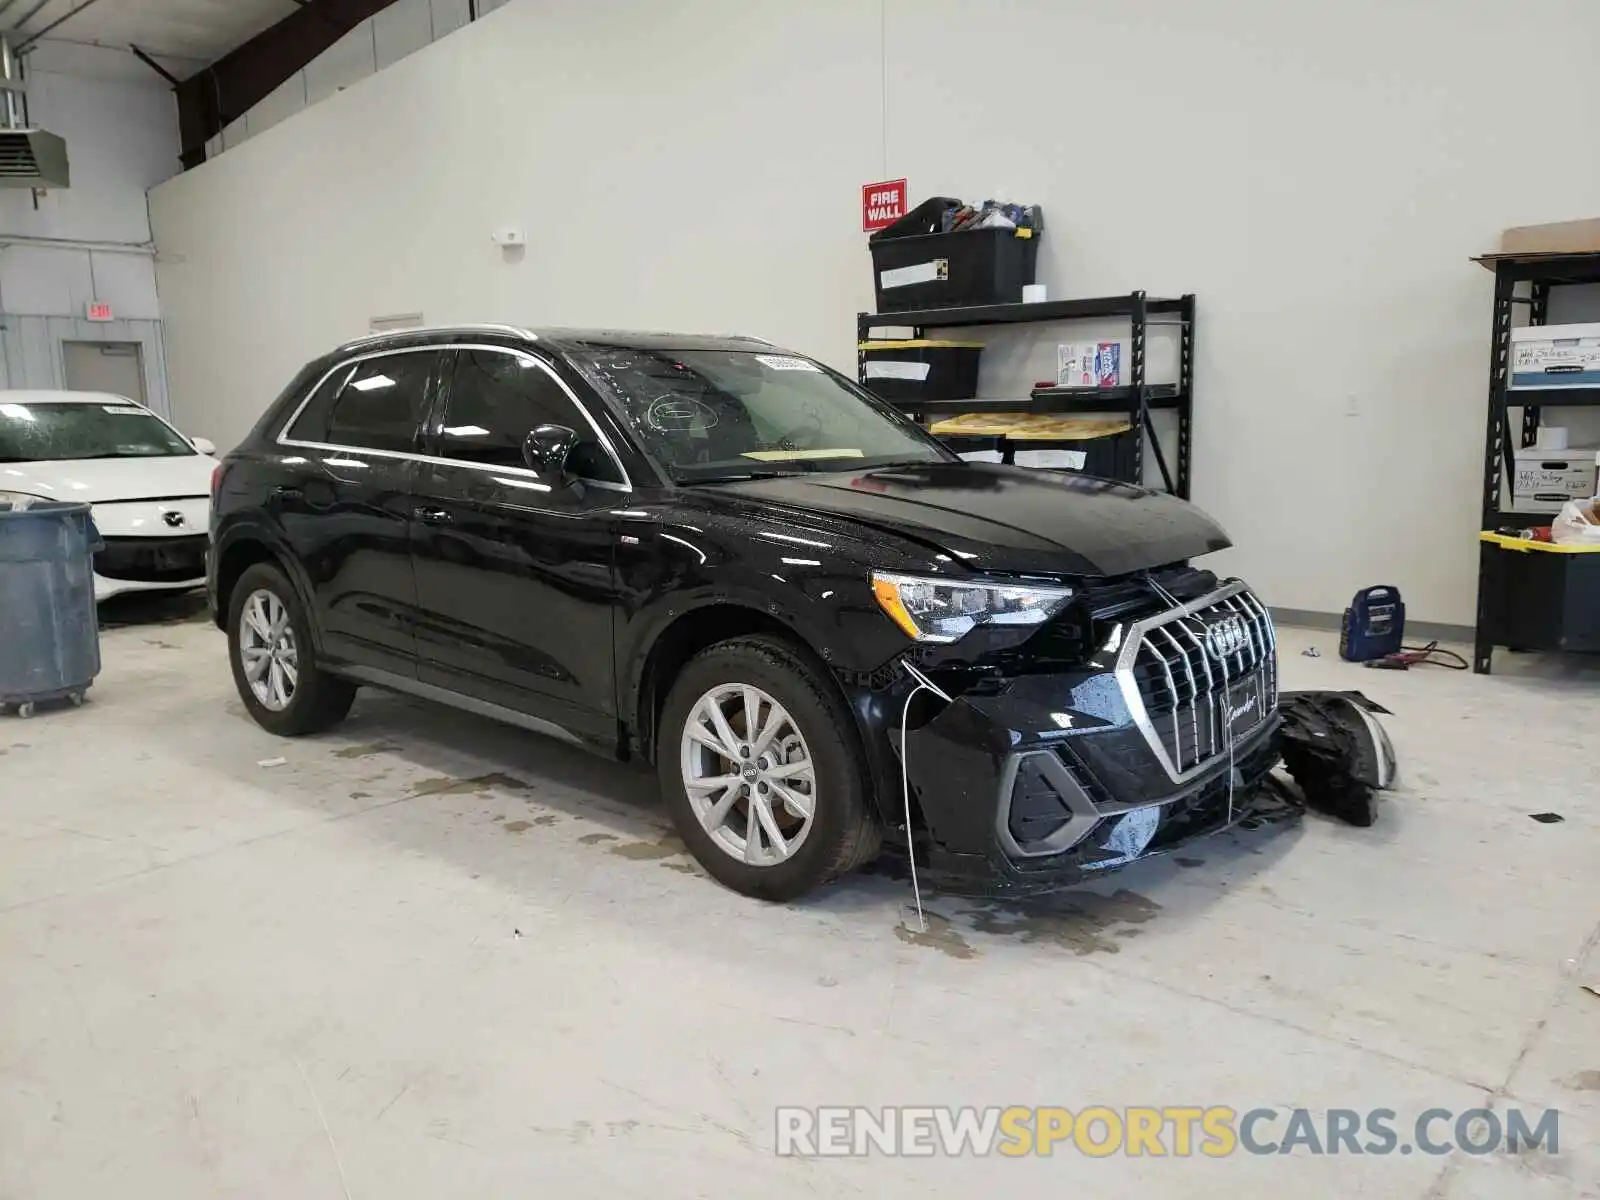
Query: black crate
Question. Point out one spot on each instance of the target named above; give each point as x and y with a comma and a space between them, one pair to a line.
921, 369
1107, 457
928, 269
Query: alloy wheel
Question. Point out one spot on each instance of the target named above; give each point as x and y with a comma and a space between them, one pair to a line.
267, 650
748, 774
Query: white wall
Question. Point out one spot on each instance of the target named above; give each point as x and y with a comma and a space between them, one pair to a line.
1318, 174
696, 208
90, 241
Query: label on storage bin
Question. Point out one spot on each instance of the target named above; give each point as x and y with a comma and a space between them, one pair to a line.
897, 370
928, 272
1069, 460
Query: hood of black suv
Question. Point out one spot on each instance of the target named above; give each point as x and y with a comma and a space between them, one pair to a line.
1009, 519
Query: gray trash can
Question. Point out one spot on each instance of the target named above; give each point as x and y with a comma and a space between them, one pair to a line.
49, 634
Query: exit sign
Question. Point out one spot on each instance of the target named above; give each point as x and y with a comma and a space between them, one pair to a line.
98, 310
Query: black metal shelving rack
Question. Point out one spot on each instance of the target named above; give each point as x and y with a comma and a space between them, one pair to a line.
1518, 282
1136, 400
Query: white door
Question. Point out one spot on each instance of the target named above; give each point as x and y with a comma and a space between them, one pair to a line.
114, 367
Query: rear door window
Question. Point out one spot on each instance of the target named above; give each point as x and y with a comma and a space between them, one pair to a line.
373, 404
311, 425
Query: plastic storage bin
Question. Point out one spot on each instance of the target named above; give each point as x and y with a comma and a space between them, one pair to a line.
916, 266
921, 369
49, 633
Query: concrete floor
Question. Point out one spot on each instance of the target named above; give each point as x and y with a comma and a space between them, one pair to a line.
430, 956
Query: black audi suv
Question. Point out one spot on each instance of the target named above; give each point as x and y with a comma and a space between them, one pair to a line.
728, 561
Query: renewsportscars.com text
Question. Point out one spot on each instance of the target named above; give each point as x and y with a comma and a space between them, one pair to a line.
1170, 1130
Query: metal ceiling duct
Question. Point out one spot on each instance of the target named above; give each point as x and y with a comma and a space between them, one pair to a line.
29, 158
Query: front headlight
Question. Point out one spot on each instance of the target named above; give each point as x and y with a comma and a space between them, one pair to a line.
17, 501
944, 610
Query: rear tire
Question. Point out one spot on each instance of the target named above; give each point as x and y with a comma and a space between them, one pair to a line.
277, 677
820, 815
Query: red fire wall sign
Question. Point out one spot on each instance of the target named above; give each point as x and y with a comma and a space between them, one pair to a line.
882, 204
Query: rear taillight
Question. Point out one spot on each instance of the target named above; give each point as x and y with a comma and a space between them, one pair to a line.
216, 474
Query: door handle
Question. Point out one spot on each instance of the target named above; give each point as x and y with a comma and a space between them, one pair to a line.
432, 516
288, 493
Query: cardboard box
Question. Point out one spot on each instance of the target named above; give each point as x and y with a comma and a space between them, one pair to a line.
1549, 478
1559, 237
1555, 356
1544, 241
1089, 364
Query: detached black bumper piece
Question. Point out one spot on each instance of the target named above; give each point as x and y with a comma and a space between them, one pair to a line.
1040, 781
1337, 753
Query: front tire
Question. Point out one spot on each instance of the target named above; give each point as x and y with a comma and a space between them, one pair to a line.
274, 665
761, 769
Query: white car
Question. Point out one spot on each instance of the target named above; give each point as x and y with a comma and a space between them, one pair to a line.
150, 486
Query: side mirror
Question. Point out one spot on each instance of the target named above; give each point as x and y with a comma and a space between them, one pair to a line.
545, 450
204, 445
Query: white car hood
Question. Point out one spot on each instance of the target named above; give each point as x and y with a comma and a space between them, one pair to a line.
105, 480
132, 497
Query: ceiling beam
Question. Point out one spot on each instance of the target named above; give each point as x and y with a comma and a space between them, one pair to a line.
29, 15
231, 86
155, 66
56, 24
321, 14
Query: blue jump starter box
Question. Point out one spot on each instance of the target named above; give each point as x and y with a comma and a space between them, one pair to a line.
1374, 625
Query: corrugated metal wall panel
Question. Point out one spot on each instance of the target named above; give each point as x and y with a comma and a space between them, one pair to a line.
39, 367
449, 16
349, 60
31, 347
280, 104
403, 28
400, 30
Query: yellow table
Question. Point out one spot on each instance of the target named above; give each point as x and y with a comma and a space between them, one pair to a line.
1506, 542
1028, 427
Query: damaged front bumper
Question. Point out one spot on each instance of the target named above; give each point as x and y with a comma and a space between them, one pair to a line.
1014, 803
1039, 781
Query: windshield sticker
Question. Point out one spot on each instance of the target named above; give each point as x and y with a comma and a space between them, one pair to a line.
784, 362
796, 455
122, 410
670, 413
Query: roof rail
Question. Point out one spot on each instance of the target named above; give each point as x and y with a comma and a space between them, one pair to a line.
748, 337
469, 327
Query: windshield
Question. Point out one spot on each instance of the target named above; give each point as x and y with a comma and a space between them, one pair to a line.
721, 414
52, 431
